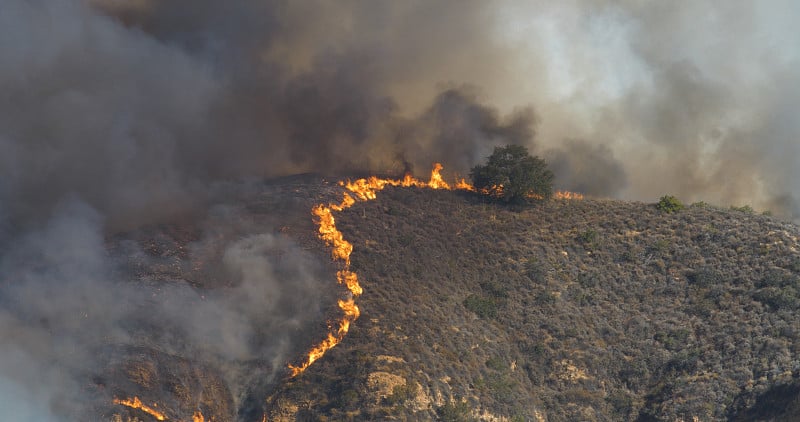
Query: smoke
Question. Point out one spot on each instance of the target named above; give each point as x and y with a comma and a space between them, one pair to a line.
136, 103
692, 98
121, 113
65, 301
582, 167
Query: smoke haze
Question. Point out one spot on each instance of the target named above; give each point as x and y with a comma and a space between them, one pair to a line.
119, 113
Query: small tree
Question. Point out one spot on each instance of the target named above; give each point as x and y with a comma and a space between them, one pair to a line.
512, 175
669, 204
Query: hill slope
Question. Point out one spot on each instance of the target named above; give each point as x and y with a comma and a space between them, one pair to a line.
567, 310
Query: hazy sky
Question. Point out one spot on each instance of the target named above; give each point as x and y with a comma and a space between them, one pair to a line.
135, 103
693, 98
118, 113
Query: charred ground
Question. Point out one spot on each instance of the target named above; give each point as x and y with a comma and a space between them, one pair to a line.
564, 310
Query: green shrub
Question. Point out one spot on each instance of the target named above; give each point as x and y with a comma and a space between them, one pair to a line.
545, 298
455, 411
348, 398
535, 269
494, 289
498, 384
778, 298
512, 175
484, 307
403, 393
669, 204
747, 209
496, 363
621, 402
589, 238
704, 277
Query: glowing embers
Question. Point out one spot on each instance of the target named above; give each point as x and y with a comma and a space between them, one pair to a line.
135, 403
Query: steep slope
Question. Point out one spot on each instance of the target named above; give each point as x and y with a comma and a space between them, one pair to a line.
566, 310
231, 295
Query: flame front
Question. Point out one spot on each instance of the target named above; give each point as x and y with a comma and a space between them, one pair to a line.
365, 190
567, 195
137, 404
198, 417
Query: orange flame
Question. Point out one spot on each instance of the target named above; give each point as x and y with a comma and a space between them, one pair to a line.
464, 185
137, 404
198, 417
567, 195
365, 190
436, 179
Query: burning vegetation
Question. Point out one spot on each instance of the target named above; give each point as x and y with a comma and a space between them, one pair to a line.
366, 189
136, 403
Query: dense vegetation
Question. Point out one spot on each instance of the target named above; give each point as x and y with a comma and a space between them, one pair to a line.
567, 310
559, 311
512, 175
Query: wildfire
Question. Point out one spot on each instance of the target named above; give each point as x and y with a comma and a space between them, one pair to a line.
198, 417
365, 190
137, 404
567, 195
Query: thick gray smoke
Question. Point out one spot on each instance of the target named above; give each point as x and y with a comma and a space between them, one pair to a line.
117, 113
134, 103
693, 98
63, 304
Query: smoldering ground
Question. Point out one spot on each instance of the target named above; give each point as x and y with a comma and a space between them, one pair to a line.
116, 114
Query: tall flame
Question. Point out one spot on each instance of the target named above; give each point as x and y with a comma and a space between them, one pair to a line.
365, 190
137, 404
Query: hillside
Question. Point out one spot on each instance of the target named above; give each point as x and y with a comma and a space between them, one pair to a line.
568, 310
565, 310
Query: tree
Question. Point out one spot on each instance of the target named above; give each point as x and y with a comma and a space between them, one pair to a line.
512, 175
669, 204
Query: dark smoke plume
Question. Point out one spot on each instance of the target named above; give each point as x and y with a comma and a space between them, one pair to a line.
118, 113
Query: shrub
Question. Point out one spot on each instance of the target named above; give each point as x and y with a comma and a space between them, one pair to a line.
704, 277
403, 393
534, 269
747, 209
545, 298
496, 363
778, 298
512, 175
482, 306
455, 411
494, 289
589, 238
669, 204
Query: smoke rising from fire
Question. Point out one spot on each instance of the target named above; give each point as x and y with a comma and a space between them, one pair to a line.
130, 103
65, 302
116, 113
